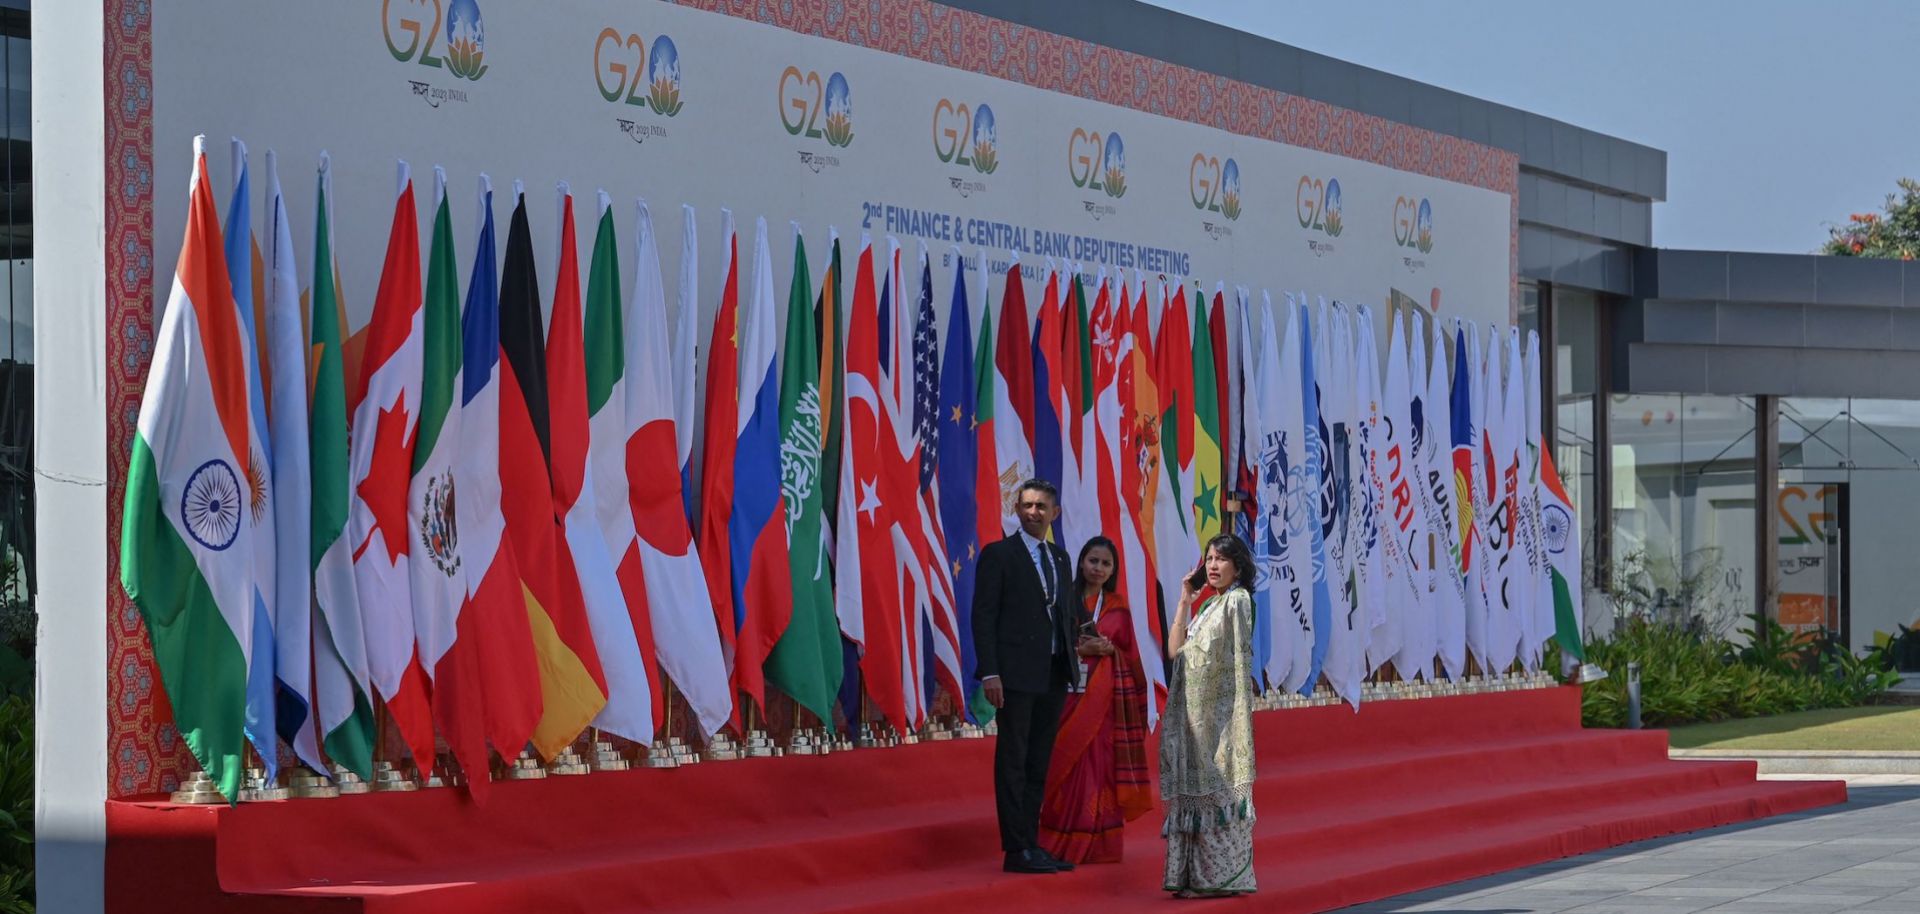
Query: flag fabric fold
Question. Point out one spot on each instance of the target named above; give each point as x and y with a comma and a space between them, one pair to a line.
584, 559
343, 698
681, 609
386, 411
806, 662
292, 482
185, 559
573, 686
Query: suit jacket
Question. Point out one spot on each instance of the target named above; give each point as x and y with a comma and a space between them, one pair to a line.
1014, 635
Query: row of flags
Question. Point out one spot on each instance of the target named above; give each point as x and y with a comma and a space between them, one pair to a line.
1419, 524
501, 527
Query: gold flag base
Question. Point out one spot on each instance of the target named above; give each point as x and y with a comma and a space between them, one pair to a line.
198, 790
722, 748
258, 789
307, 784
808, 742
524, 768
389, 779
348, 782
568, 763
607, 758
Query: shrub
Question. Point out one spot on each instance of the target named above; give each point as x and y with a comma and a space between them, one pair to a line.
16, 805
1688, 676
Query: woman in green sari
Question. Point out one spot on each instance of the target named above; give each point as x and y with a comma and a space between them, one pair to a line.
1206, 737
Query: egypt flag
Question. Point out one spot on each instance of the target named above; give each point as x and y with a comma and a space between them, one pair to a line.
584, 557
573, 687
761, 573
342, 697
184, 559
684, 637
486, 686
386, 412
867, 598
1013, 396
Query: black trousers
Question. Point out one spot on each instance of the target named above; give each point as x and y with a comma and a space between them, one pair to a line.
1028, 723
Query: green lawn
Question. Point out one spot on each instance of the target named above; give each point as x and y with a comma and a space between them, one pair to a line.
1876, 727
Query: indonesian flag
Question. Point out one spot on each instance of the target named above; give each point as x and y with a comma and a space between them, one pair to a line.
682, 611
1013, 396
583, 554
386, 410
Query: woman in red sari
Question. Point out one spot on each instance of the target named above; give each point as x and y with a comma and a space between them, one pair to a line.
1098, 781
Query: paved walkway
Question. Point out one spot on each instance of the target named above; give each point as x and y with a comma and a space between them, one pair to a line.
1863, 856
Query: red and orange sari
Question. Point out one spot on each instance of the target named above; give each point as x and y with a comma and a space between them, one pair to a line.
1098, 779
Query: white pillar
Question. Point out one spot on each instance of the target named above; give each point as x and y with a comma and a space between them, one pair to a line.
70, 454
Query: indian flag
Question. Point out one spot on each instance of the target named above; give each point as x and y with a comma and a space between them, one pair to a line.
183, 560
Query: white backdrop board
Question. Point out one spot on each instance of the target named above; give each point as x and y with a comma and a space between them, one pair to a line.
776, 123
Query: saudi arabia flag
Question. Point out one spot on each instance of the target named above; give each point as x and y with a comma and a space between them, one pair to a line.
182, 558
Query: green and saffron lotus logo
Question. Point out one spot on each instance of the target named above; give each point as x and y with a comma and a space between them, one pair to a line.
1425, 242
839, 127
466, 40
1230, 190
1333, 224
663, 78
1114, 166
986, 139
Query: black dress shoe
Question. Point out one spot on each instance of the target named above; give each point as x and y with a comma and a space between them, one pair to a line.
1028, 861
1057, 863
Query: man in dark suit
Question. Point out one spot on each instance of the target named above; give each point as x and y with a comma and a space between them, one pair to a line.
1023, 635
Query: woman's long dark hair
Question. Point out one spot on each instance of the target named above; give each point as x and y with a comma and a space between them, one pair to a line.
1234, 550
1079, 582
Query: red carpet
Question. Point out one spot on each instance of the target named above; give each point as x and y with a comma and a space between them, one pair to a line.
1353, 807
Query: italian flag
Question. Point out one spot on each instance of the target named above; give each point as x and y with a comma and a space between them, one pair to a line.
183, 561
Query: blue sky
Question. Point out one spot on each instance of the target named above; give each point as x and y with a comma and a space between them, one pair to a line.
1777, 117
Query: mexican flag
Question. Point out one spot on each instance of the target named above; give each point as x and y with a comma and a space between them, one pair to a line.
183, 560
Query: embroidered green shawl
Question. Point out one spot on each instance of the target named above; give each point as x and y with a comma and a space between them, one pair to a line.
1206, 736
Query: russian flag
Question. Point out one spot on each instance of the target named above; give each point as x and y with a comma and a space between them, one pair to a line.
756, 528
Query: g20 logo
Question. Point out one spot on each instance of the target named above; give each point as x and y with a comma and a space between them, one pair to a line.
1213, 186
624, 67
464, 54
1097, 163
804, 97
966, 136
1317, 205
1413, 223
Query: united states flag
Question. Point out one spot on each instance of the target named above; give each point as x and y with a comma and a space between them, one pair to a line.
926, 382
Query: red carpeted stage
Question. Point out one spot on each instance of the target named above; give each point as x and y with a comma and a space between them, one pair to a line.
1353, 807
